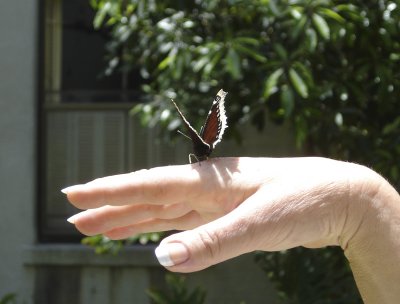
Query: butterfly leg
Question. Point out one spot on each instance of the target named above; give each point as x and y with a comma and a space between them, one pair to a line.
198, 160
195, 157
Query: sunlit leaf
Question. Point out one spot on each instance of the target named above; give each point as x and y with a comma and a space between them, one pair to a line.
101, 14
298, 83
199, 64
168, 60
296, 12
321, 25
166, 24
305, 72
331, 14
165, 62
271, 83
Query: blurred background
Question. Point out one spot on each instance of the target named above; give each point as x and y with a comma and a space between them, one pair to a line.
85, 89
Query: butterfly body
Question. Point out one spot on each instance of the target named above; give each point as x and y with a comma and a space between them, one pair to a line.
212, 130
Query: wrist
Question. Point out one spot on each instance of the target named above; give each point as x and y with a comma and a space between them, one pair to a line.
371, 242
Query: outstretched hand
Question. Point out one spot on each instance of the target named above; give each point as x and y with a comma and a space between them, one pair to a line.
228, 205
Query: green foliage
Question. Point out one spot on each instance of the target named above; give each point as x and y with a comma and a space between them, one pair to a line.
177, 293
9, 298
104, 245
310, 276
329, 67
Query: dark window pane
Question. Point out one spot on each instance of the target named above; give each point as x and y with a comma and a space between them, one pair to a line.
84, 60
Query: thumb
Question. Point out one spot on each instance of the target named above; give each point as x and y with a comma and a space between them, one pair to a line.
212, 243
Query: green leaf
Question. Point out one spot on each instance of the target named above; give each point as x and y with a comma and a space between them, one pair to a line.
321, 25
287, 100
299, 27
332, 14
168, 60
394, 56
274, 8
136, 109
210, 65
391, 127
248, 40
312, 39
281, 51
157, 296
199, 64
271, 83
233, 63
252, 53
178, 67
101, 14
305, 72
298, 83
296, 12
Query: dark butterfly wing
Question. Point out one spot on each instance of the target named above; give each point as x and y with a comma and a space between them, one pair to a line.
200, 148
216, 121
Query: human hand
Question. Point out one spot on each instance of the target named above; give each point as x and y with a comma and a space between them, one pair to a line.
229, 205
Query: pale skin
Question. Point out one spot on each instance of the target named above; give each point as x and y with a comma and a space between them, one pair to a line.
229, 206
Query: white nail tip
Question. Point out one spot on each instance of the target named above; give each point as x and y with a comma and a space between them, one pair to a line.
163, 257
72, 219
70, 188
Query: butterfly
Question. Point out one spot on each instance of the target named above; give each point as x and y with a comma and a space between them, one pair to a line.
211, 132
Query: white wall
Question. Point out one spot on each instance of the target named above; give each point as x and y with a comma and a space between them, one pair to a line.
18, 39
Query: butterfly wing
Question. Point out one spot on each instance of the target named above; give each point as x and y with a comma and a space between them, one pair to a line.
200, 148
216, 121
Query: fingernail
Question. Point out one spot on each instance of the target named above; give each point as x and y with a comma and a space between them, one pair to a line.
73, 218
70, 188
171, 254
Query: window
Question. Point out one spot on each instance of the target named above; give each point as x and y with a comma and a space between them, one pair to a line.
75, 58
86, 129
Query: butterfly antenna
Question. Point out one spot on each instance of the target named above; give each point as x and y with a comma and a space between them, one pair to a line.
183, 134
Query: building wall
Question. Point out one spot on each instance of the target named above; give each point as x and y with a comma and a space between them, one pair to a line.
18, 61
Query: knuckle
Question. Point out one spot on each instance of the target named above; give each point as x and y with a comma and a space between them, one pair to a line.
211, 242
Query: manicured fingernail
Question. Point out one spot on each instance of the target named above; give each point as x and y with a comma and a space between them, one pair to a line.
171, 254
73, 218
70, 188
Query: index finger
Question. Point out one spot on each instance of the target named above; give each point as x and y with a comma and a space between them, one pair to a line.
161, 185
